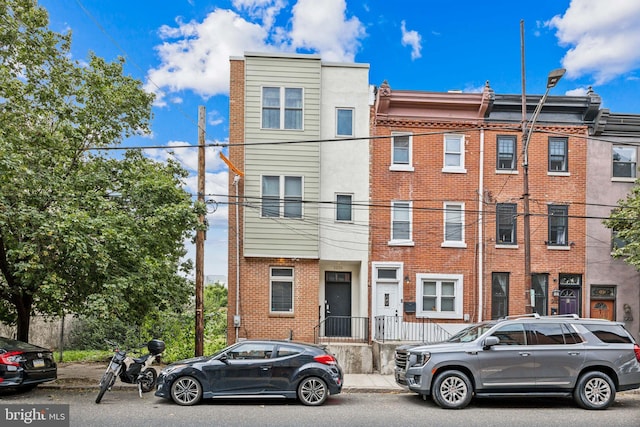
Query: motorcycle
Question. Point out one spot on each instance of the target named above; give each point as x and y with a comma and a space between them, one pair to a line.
132, 370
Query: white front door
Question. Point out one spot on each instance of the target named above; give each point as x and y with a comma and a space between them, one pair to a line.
388, 310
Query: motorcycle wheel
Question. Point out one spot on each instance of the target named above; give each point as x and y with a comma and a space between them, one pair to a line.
148, 380
106, 382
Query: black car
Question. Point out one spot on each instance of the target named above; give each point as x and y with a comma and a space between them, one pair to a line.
265, 369
24, 365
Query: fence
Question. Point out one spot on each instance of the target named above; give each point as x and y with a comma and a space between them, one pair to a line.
342, 329
394, 328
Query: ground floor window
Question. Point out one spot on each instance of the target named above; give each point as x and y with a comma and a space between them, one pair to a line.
281, 289
439, 296
499, 295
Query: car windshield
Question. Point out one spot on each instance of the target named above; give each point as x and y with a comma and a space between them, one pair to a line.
471, 333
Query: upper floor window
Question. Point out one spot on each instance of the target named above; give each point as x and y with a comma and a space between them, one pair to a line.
453, 153
558, 225
400, 222
558, 154
506, 223
344, 207
401, 151
506, 152
282, 196
281, 108
453, 224
344, 122
281, 289
624, 161
439, 296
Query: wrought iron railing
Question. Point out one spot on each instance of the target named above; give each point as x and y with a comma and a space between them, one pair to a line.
394, 328
342, 329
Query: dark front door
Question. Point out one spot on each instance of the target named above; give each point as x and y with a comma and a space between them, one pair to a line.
569, 301
337, 308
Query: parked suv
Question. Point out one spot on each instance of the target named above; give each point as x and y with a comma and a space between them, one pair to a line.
531, 355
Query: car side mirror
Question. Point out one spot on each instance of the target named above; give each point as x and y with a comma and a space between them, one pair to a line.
224, 358
490, 342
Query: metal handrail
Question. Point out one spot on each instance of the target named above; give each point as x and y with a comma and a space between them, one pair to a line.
342, 329
422, 329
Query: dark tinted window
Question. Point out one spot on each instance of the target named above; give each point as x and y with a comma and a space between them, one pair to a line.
570, 336
511, 334
285, 350
554, 333
610, 333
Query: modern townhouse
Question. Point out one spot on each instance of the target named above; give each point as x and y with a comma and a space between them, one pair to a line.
298, 221
613, 286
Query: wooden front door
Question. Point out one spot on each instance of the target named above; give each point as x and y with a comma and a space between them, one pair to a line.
603, 309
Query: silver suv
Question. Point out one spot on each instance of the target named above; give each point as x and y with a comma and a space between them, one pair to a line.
531, 355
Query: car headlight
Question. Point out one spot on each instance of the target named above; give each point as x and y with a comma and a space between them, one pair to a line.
419, 359
170, 369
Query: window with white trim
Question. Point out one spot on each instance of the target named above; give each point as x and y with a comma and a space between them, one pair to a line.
281, 290
282, 108
344, 209
454, 224
453, 153
558, 154
506, 152
400, 222
506, 223
281, 196
439, 296
401, 157
344, 121
624, 161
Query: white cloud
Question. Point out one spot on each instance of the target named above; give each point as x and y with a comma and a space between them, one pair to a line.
265, 10
579, 91
323, 27
603, 35
411, 38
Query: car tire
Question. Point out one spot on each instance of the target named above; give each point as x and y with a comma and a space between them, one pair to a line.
594, 390
186, 391
313, 391
452, 390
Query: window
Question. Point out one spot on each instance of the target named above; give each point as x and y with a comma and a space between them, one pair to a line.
506, 223
553, 334
281, 108
558, 224
540, 285
453, 153
453, 224
401, 221
281, 287
617, 242
624, 162
506, 152
512, 334
344, 122
343, 207
439, 296
287, 189
401, 151
499, 295
251, 351
558, 155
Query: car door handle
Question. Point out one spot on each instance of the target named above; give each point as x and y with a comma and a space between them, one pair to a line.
574, 353
265, 368
524, 354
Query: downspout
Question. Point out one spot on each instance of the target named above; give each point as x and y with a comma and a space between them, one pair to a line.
481, 227
236, 180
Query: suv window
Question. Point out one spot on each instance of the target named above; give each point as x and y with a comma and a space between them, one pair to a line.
512, 334
554, 333
610, 334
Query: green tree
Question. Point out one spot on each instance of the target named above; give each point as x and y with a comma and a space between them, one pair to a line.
80, 231
623, 221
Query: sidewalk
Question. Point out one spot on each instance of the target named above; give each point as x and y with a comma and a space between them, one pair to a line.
87, 375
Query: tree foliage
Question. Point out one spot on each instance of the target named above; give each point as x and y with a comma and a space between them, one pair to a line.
625, 224
80, 231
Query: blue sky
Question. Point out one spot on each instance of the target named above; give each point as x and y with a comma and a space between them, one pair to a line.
180, 49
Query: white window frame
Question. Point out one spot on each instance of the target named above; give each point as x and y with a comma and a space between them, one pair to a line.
272, 279
439, 279
633, 160
447, 208
407, 167
282, 108
350, 207
459, 168
283, 198
401, 242
353, 120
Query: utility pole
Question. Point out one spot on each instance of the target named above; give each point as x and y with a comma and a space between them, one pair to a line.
200, 238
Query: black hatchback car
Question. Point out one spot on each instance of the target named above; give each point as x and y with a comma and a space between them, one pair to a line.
24, 365
251, 368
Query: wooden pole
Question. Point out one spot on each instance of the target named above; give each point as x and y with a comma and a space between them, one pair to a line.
200, 236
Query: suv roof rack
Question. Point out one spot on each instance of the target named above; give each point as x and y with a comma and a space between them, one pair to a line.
537, 316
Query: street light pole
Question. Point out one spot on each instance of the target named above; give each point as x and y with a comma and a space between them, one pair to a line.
552, 80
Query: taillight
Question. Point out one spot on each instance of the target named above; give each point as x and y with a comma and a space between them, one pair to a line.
11, 358
325, 359
636, 350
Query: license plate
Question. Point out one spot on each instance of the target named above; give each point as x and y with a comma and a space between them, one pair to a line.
38, 363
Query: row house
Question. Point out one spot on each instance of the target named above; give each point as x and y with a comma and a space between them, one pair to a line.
612, 165
298, 221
